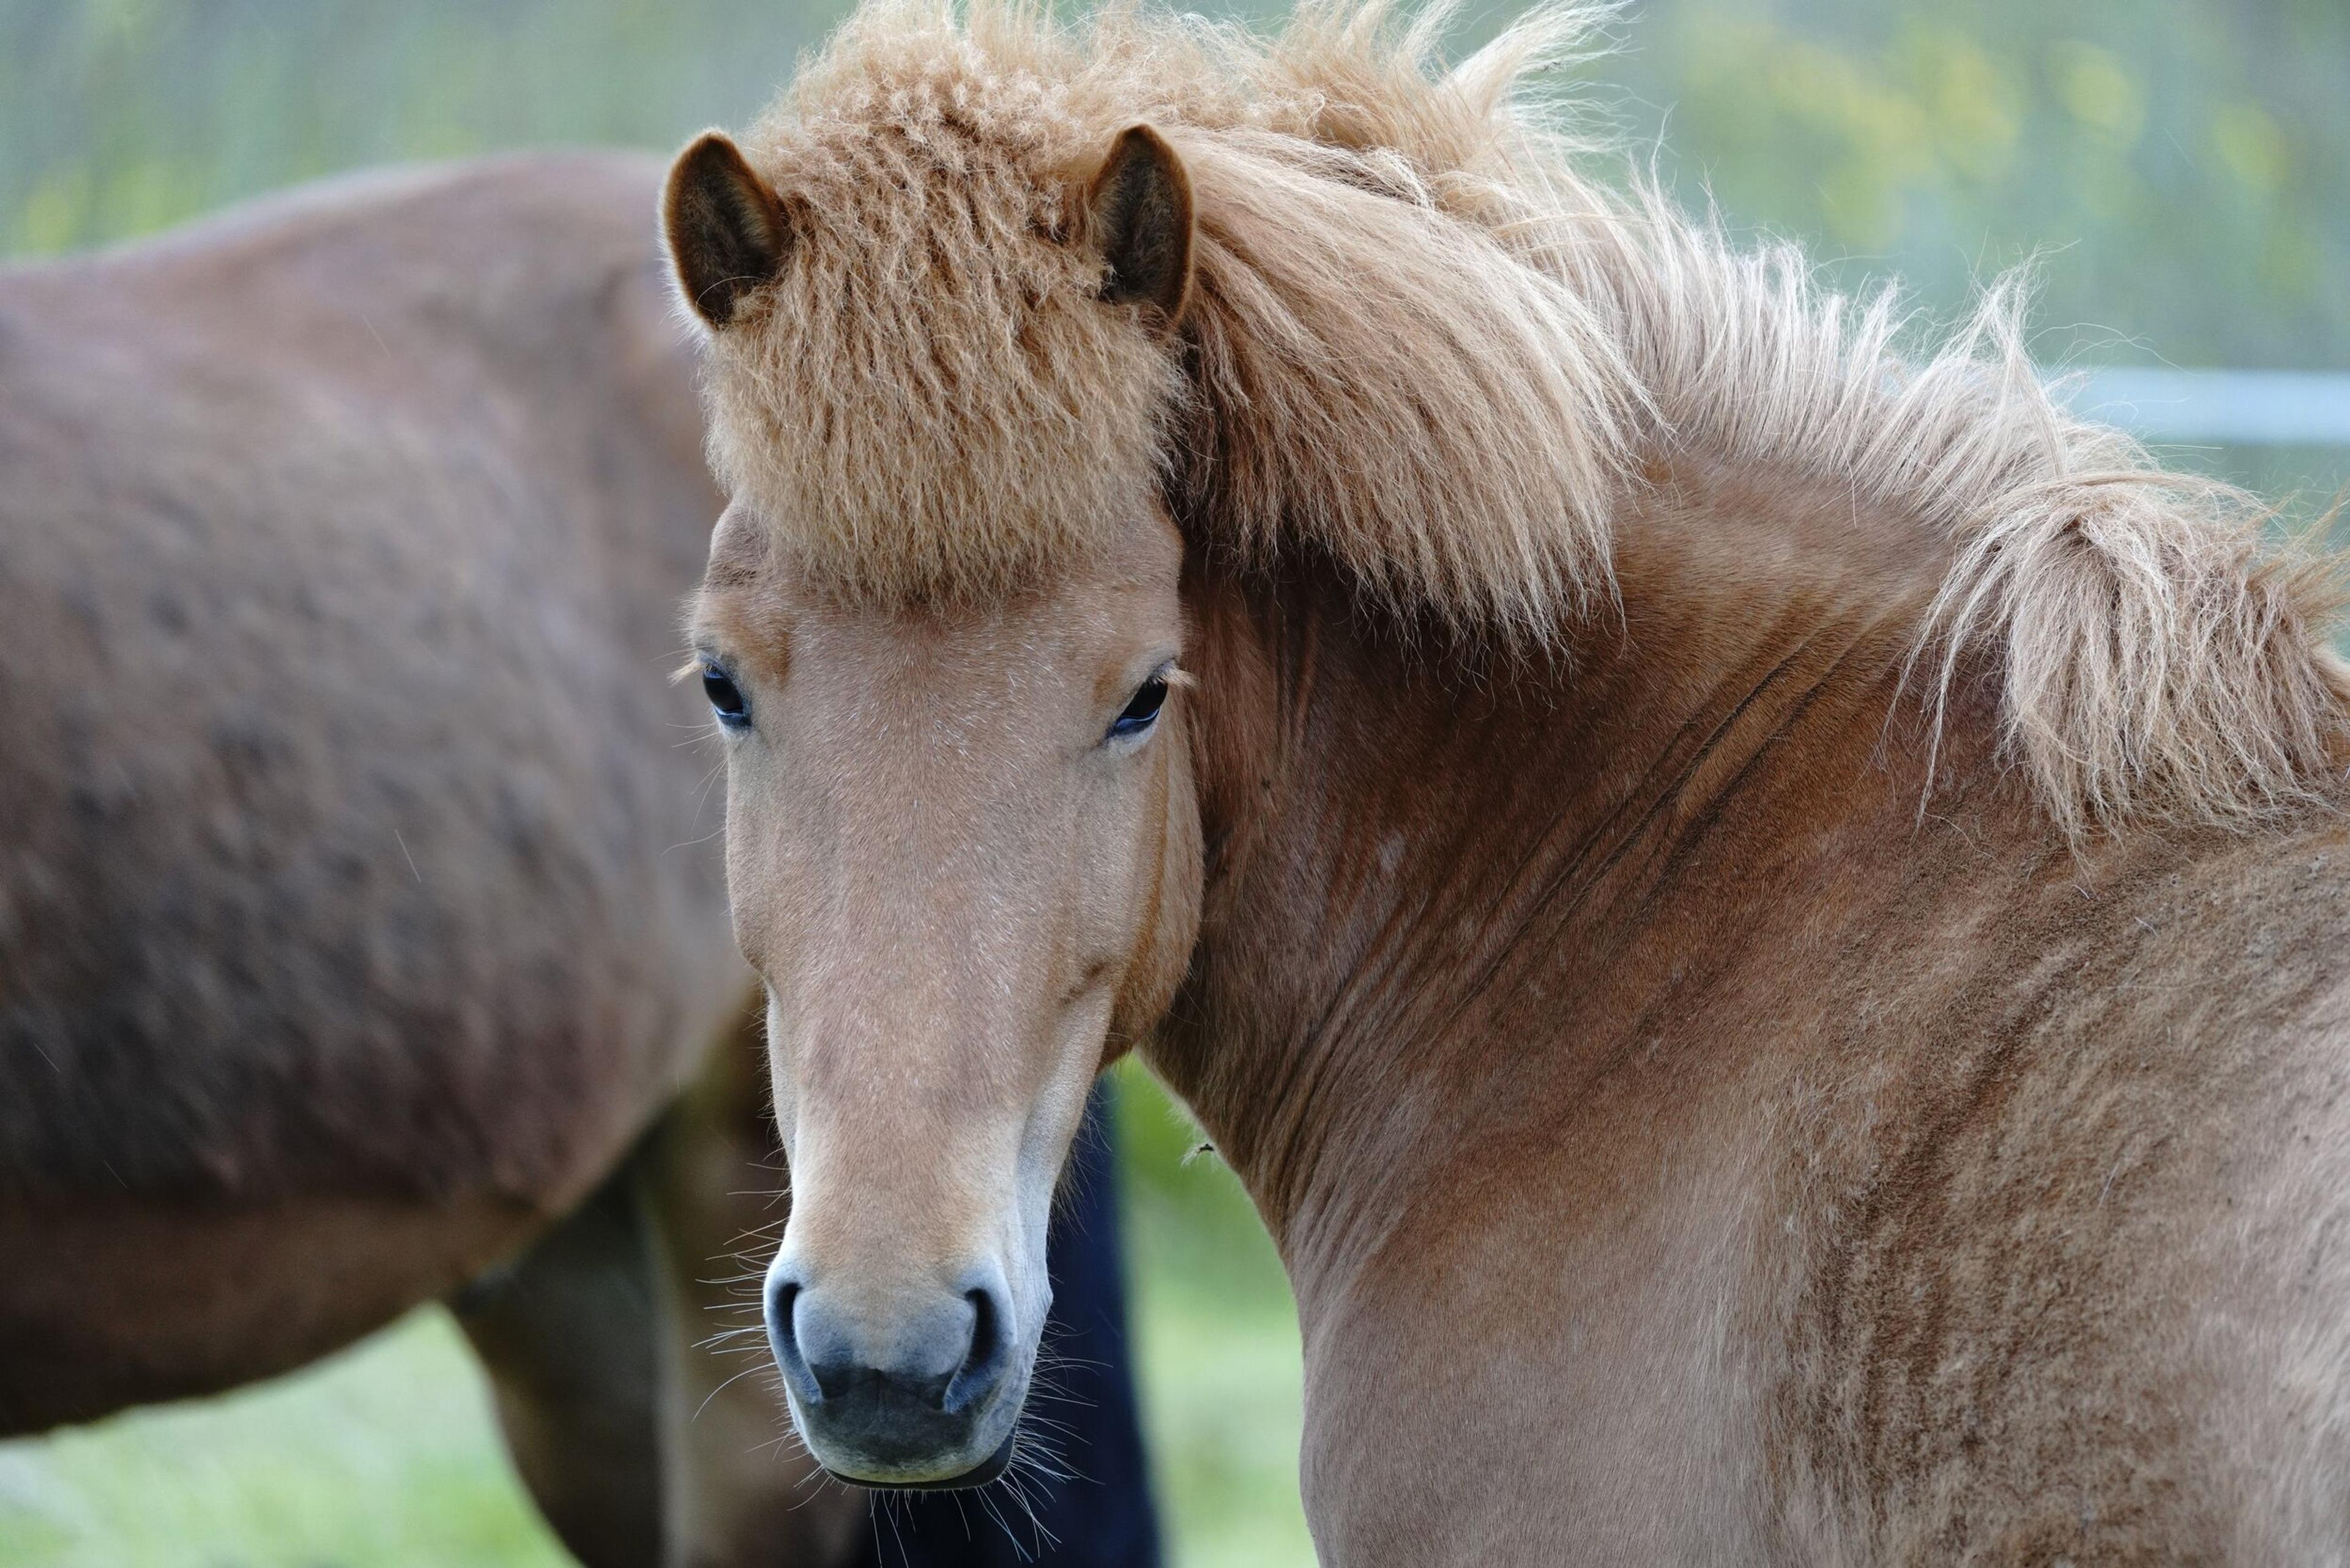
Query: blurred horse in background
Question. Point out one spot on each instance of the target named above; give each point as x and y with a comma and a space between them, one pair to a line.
1759, 908
362, 941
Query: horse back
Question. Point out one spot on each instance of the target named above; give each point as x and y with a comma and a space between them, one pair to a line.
339, 545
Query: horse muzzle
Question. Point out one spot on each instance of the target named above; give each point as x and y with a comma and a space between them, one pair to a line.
926, 1394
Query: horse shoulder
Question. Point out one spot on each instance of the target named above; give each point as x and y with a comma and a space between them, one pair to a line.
2072, 1256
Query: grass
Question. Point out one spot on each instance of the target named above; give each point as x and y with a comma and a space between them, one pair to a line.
386, 1456
382, 1455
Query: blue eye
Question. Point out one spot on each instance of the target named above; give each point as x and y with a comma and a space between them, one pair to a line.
725, 697
1141, 710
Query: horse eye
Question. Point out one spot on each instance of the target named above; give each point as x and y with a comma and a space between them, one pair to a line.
726, 697
1141, 710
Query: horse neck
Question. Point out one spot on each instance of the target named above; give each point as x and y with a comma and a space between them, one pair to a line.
1434, 875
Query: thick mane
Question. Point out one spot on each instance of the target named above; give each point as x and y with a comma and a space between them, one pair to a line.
1422, 340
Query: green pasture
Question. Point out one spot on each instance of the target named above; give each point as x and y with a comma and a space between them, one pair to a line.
2179, 169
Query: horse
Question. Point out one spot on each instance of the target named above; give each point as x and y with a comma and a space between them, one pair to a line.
348, 953
1758, 907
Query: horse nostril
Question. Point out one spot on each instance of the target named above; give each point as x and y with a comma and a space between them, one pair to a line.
984, 1333
784, 1340
983, 1363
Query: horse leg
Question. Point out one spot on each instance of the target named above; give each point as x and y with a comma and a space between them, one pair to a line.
742, 1488
566, 1333
644, 1441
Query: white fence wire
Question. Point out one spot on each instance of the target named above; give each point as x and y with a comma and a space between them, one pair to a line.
2231, 408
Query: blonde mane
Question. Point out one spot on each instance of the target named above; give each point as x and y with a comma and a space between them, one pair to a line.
1423, 340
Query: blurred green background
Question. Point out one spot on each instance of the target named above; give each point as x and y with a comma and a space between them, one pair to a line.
2180, 169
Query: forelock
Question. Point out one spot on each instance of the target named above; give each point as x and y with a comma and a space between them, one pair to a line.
931, 399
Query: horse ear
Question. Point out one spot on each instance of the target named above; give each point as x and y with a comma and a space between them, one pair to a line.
727, 232
1138, 216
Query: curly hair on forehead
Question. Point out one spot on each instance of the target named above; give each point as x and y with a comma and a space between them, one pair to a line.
1412, 331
